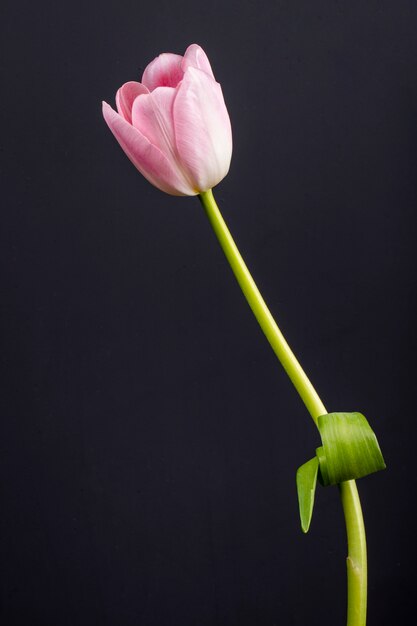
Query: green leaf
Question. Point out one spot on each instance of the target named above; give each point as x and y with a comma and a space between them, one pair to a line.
350, 448
306, 488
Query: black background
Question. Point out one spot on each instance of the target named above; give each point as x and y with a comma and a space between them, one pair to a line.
149, 438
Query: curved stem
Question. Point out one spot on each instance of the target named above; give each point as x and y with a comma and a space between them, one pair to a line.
256, 302
356, 560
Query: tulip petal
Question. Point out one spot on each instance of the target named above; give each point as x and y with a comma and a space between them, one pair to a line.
152, 115
146, 157
126, 96
196, 57
202, 129
164, 71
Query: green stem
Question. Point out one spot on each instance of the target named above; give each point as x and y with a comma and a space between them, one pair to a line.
356, 560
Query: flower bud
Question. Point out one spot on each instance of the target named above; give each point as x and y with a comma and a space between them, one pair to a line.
174, 125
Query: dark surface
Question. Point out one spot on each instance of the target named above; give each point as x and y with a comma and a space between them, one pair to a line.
149, 439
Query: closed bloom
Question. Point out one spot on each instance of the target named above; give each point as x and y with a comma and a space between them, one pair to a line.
174, 125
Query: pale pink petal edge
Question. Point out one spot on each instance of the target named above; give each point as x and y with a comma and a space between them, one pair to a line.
147, 158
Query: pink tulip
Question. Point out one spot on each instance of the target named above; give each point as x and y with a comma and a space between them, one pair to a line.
174, 125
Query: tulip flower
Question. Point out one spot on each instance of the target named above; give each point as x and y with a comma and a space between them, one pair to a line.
175, 128
174, 125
